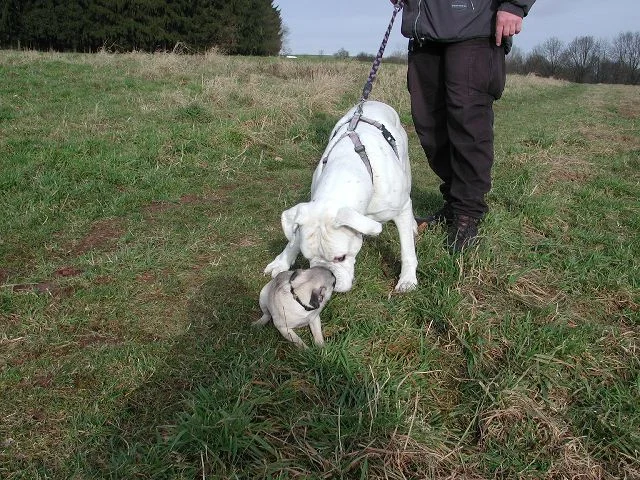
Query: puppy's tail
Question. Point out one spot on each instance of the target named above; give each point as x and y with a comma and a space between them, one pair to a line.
266, 318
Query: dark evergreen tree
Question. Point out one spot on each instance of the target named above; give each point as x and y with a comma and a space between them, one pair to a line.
11, 22
246, 27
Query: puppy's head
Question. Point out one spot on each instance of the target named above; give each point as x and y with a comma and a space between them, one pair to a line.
314, 285
329, 238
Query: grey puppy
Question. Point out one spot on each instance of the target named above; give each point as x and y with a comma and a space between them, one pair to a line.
294, 299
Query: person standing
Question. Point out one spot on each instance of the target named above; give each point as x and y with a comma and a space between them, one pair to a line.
456, 70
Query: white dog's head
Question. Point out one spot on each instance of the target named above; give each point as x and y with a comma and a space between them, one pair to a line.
329, 238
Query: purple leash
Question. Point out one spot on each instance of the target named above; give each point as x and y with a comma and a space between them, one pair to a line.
376, 63
357, 116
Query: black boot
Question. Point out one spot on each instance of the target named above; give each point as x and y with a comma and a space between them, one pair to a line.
442, 216
462, 232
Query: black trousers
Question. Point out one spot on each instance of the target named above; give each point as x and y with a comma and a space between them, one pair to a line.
452, 88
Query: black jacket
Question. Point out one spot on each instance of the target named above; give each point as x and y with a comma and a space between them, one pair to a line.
455, 20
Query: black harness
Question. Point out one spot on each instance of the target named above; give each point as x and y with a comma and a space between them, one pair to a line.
355, 138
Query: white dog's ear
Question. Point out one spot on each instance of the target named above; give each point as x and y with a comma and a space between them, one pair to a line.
292, 218
348, 217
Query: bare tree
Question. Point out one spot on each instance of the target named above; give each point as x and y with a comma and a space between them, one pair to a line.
515, 61
625, 50
341, 54
284, 32
551, 50
599, 62
581, 55
535, 63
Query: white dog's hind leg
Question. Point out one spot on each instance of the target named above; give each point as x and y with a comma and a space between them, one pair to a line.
316, 331
407, 229
283, 261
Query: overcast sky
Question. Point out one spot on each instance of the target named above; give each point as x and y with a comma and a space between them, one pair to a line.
358, 25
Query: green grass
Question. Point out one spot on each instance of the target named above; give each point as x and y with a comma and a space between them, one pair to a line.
140, 199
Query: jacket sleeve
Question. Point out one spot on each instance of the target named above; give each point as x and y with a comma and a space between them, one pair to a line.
517, 7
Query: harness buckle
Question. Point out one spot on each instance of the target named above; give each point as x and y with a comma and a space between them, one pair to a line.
359, 148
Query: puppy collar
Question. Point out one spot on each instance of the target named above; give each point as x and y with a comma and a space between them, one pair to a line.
297, 299
308, 308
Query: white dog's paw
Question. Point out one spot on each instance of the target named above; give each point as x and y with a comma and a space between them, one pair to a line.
406, 285
276, 267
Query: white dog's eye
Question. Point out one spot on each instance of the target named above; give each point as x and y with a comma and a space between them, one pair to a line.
339, 259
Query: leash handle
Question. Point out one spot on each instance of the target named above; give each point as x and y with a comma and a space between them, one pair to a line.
368, 86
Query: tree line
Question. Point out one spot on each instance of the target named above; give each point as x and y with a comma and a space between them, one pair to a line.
236, 27
583, 60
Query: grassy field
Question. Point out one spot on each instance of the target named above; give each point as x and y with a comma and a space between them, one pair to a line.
140, 198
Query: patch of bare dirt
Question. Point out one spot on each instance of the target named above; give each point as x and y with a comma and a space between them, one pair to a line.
96, 339
247, 241
68, 272
47, 287
51, 286
563, 169
102, 236
217, 198
4, 275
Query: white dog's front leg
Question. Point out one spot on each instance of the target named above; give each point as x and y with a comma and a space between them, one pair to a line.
407, 230
286, 258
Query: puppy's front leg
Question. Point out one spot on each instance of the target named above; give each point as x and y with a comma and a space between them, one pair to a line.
407, 229
316, 331
289, 334
286, 258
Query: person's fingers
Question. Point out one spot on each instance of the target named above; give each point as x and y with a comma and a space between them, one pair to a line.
507, 25
518, 27
499, 31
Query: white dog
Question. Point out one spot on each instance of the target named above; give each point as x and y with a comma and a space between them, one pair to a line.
295, 299
363, 180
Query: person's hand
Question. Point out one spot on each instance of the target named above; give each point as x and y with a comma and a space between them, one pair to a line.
507, 25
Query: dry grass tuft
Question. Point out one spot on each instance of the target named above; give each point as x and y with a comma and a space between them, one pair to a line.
518, 84
523, 419
535, 289
404, 457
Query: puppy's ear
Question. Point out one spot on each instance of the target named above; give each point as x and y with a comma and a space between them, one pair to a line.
298, 277
292, 218
317, 297
348, 217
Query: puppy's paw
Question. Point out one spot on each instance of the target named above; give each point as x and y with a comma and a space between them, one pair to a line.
276, 267
406, 285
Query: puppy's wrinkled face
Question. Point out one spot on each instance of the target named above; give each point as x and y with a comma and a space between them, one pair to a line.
315, 285
317, 297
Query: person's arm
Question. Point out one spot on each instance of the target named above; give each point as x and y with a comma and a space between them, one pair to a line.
509, 18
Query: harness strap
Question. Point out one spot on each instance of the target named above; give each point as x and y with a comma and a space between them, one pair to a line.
385, 132
360, 150
355, 138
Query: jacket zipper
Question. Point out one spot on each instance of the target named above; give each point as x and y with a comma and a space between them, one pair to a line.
415, 23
